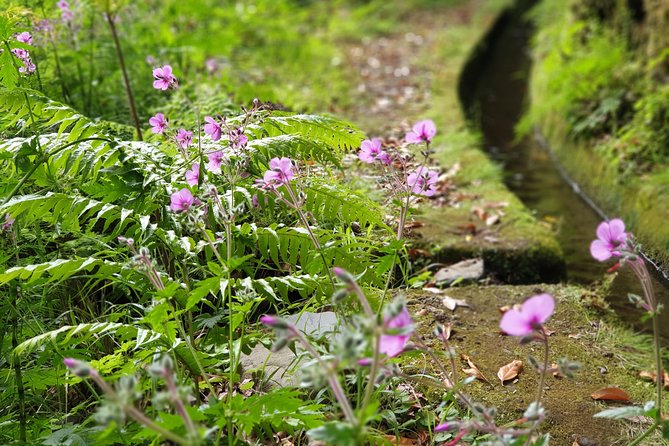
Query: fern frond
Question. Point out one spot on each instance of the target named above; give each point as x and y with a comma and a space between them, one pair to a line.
70, 212
294, 147
331, 202
61, 269
332, 132
86, 331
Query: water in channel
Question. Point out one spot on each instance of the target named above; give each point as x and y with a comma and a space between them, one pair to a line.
494, 92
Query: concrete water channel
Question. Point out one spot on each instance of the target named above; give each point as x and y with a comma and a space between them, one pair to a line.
493, 88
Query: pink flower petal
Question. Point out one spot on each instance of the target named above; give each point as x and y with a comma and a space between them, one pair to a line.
538, 308
617, 230
514, 323
600, 250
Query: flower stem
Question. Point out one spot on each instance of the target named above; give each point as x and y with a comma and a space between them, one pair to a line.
126, 79
136, 414
333, 380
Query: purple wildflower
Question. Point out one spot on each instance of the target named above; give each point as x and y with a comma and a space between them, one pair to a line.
611, 236
215, 161
65, 12
393, 344
423, 181
163, 78
181, 201
370, 151
158, 123
533, 313
423, 131
21, 53
184, 138
238, 139
212, 128
283, 167
8, 223
193, 175
25, 37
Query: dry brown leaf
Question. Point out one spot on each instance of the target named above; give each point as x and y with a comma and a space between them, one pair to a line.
510, 371
610, 394
492, 220
479, 212
402, 441
653, 377
448, 328
414, 224
452, 303
473, 370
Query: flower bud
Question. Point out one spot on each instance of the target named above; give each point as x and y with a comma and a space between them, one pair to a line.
78, 368
343, 275
274, 322
447, 426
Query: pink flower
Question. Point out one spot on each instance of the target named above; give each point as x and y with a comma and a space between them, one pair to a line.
181, 201
283, 167
164, 78
184, 138
159, 123
193, 175
28, 67
423, 181
611, 236
533, 313
393, 344
370, 151
21, 53
280, 173
423, 131
238, 139
25, 37
215, 161
9, 222
65, 12
212, 128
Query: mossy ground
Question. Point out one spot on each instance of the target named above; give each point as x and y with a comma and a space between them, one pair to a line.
611, 356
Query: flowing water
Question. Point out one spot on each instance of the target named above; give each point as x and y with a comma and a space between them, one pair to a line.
494, 91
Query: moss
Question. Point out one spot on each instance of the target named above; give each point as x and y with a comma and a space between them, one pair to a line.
610, 354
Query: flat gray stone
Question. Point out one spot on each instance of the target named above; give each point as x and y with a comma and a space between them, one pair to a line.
278, 367
467, 270
315, 325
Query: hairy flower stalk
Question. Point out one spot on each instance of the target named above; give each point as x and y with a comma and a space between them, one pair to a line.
614, 242
421, 182
329, 368
84, 370
281, 174
143, 259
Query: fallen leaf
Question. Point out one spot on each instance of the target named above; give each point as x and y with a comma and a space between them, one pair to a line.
452, 303
415, 253
510, 371
492, 220
480, 213
402, 441
434, 290
506, 308
447, 331
414, 224
610, 394
653, 377
473, 370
